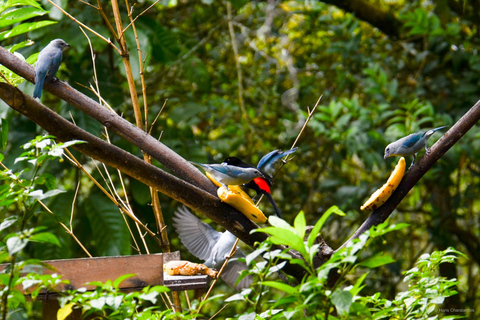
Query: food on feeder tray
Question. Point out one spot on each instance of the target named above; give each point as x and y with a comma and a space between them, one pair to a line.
187, 268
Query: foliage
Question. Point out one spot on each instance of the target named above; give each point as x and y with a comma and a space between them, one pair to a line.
314, 298
376, 88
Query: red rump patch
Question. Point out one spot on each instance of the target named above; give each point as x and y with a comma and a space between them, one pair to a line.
262, 184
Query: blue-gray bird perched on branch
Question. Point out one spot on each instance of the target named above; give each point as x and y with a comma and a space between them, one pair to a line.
48, 62
411, 144
212, 246
230, 175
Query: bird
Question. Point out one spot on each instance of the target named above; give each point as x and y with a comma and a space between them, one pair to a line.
212, 246
230, 175
268, 162
48, 62
261, 185
411, 144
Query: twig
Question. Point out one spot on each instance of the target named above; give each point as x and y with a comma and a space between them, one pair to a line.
132, 21
85, 26
156, 118
232, 252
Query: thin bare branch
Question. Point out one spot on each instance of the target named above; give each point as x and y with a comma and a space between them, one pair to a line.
85, 26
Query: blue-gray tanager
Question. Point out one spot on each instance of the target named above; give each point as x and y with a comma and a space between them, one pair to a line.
230, 175
411, 144
268, 162
212, 246
48, 62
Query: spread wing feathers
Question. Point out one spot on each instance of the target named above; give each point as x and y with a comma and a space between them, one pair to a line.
197, 236
268, 161
231, 273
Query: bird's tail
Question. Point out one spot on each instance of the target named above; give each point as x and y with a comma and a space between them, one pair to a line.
432, 131
37, 92
274, 205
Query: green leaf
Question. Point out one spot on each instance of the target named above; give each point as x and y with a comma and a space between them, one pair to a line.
285, 237
358, 285
45, 237
24, 28
8, 222
316, 229
15, 244
300, 224
342, 300
122, 278
19, 14
377, 260
281, 286
108, 226
33, 3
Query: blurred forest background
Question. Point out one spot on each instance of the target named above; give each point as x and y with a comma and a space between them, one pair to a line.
385, 69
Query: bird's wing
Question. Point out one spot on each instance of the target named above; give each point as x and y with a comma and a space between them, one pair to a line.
268, 158
231, 273
412, 139
56, 61
197, 236
268, 161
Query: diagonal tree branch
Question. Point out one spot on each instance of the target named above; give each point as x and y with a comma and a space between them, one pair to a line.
178, 165
184, 192
416, 172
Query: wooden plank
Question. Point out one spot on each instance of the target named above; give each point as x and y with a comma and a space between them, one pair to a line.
148, 270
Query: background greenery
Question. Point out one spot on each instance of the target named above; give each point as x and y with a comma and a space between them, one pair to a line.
376, 88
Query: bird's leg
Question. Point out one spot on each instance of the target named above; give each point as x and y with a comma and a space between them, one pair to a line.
427, 150
414, 156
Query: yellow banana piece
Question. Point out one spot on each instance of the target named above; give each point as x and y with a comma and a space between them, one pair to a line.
381, 195
238, 199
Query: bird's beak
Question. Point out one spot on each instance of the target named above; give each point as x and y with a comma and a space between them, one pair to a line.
385, 157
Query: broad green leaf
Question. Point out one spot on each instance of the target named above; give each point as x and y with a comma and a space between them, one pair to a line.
122, 278
108, 226
15, 244
285, 237
377, 260
342, 300
8, 222
19, 14
45, 237
281, 286
300, 224
33, 3
24, 28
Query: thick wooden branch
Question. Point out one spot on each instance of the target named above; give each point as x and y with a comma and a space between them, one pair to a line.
195, 198
381, 19
415, 173
178, 165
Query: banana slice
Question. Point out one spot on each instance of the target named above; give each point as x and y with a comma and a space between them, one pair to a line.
238, 199
381, 195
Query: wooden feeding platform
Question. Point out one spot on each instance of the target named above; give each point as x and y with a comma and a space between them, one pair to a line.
148, 270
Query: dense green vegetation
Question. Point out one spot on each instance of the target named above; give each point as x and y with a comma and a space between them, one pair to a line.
415, 68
